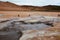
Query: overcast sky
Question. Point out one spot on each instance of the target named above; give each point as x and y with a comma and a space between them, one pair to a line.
35, 2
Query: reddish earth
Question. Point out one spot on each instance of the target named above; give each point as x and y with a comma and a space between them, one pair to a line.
10, 14
8, 6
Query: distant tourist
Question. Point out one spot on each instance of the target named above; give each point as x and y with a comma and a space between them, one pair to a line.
18, 15
58, 15
29, 14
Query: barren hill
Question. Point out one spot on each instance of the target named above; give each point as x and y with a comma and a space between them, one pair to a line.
8, 6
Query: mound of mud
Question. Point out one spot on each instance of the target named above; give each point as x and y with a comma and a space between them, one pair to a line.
47, 34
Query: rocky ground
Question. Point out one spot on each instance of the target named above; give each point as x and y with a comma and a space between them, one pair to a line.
33, 31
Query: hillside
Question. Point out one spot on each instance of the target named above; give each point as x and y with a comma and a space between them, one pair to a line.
52, 8
8, 6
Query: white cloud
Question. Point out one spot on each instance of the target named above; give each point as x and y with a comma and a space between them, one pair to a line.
35, 2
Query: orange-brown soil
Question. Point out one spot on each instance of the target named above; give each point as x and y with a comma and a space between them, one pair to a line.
10, 14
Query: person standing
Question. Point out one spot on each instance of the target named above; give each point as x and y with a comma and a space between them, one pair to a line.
18, 15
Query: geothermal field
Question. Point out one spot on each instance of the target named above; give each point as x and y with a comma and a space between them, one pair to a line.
33, 25
28, 22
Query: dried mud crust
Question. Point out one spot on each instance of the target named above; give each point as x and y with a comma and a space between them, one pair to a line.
52, 33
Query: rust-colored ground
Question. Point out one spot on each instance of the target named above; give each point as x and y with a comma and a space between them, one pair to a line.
10, 14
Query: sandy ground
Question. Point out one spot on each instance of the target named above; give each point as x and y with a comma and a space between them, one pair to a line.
9, 14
